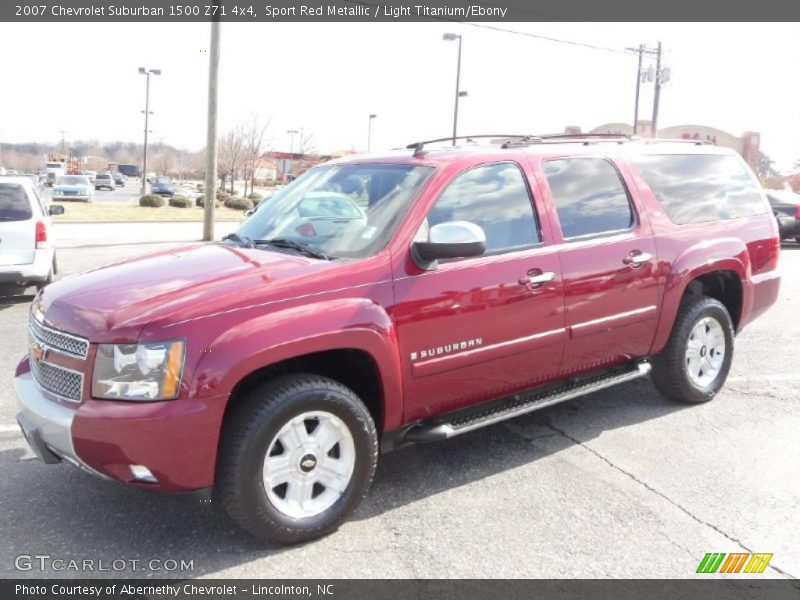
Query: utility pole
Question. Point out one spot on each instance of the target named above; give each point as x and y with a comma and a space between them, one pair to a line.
657, 93
63, 144
369, 132
211, 137
147, 113
451, 37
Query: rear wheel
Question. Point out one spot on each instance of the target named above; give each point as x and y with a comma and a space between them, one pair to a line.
297, 456
695, 362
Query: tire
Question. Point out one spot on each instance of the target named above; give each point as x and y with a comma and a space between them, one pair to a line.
695, 376
271, 511
797, 239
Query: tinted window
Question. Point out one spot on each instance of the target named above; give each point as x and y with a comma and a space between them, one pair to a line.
14, 203
494, 197
589, 196
694, 188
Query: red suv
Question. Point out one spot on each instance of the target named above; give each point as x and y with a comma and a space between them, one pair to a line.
380, 301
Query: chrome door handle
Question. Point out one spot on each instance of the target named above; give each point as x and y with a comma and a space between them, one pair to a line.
636, 258
535, 278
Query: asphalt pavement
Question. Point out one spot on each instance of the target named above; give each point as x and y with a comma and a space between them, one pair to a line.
621, 483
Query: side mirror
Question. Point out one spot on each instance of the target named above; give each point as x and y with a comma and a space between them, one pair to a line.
56, 209
454, 239
250, 213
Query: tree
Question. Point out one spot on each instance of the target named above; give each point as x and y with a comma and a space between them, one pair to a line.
765, 167
231, 151
256, 140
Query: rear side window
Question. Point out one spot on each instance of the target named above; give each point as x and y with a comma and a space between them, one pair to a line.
494, 197
589, 196
695, 188
14, 203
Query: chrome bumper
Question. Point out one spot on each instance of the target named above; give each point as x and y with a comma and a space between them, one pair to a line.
47, 426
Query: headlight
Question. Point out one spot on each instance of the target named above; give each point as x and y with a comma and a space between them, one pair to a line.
138, 371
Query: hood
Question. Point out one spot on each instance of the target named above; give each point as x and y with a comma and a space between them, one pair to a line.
113, 303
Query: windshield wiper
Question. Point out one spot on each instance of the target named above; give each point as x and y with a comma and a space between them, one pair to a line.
295, 245
239, 239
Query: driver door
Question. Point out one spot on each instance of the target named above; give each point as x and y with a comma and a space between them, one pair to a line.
473, 329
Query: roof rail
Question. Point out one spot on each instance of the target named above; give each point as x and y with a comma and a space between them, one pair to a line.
578, 136
418, 146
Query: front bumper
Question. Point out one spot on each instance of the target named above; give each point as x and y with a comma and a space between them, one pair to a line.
72, 197
46, 425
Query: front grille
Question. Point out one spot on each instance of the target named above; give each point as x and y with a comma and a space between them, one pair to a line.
62, 382
58, 341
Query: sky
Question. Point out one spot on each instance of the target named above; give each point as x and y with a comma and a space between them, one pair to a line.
326, 78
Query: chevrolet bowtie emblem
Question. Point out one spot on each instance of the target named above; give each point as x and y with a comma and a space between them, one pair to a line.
38, 352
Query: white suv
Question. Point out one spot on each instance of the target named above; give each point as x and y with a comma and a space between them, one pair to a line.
27, 251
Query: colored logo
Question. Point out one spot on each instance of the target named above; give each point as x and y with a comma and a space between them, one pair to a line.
743, 562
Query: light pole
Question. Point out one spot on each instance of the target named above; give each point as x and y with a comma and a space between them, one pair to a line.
369, 132
147, 113
291, 133
211, 133
450, 37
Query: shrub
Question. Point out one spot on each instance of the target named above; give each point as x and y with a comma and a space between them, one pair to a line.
223, 196
201, 187
180, 202
201, 201
239, 204
152, 200
234, 192
255, 197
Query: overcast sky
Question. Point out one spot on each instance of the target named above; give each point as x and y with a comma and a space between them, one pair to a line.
327, 78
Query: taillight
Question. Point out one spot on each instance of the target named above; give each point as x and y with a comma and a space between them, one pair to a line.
797, 212
41, 236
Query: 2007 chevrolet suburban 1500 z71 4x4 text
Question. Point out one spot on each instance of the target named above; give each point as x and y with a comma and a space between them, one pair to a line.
379, 301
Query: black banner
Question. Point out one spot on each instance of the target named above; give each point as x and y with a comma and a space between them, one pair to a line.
228, 589
395, 10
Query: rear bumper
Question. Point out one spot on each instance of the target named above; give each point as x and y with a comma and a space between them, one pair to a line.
33, 272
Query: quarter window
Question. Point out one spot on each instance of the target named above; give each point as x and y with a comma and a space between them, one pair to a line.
589, 196
695, 188
496, 198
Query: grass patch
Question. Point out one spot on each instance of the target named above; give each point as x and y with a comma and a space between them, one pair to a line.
118, 211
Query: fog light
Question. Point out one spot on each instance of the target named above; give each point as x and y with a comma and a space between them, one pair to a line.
142, 473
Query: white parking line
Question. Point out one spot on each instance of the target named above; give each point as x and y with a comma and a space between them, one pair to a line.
764, 378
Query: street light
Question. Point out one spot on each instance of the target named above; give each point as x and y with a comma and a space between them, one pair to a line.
369, 132
291, 132
147, 113
449, 37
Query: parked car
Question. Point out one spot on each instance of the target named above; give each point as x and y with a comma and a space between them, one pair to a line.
163, 186
786, 207
73, 187
104, 180
27, 251
119, 179
91, 175
474, 286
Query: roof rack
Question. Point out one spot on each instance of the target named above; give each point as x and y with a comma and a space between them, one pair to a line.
418, 146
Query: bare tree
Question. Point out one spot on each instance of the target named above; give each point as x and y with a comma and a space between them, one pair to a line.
256, 140
231, 154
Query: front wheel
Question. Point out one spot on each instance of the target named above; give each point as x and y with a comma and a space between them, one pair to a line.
697, 358
297, 456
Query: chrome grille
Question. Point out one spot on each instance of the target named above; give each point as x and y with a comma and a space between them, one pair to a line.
62, 382
58, 341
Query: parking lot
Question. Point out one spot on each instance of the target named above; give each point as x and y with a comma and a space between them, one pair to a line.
620, 483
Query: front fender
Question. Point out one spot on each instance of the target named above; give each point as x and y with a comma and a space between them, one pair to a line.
720, 254
346, 323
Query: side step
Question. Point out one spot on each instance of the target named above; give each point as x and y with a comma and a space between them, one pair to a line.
509, 407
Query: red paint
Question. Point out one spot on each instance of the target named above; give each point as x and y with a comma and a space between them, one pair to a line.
440, 340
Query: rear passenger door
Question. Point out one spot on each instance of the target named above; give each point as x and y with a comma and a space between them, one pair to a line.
608, 261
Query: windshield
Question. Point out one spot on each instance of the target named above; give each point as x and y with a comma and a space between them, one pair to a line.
73, 180
163, 180
340, 210
54, 165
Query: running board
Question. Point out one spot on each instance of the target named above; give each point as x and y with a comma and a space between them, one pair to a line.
516, 405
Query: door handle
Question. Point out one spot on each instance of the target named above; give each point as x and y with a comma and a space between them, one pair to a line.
535, 277
637, 258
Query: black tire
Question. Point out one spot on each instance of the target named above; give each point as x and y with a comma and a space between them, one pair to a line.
797, 239
247, 434
670, 374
